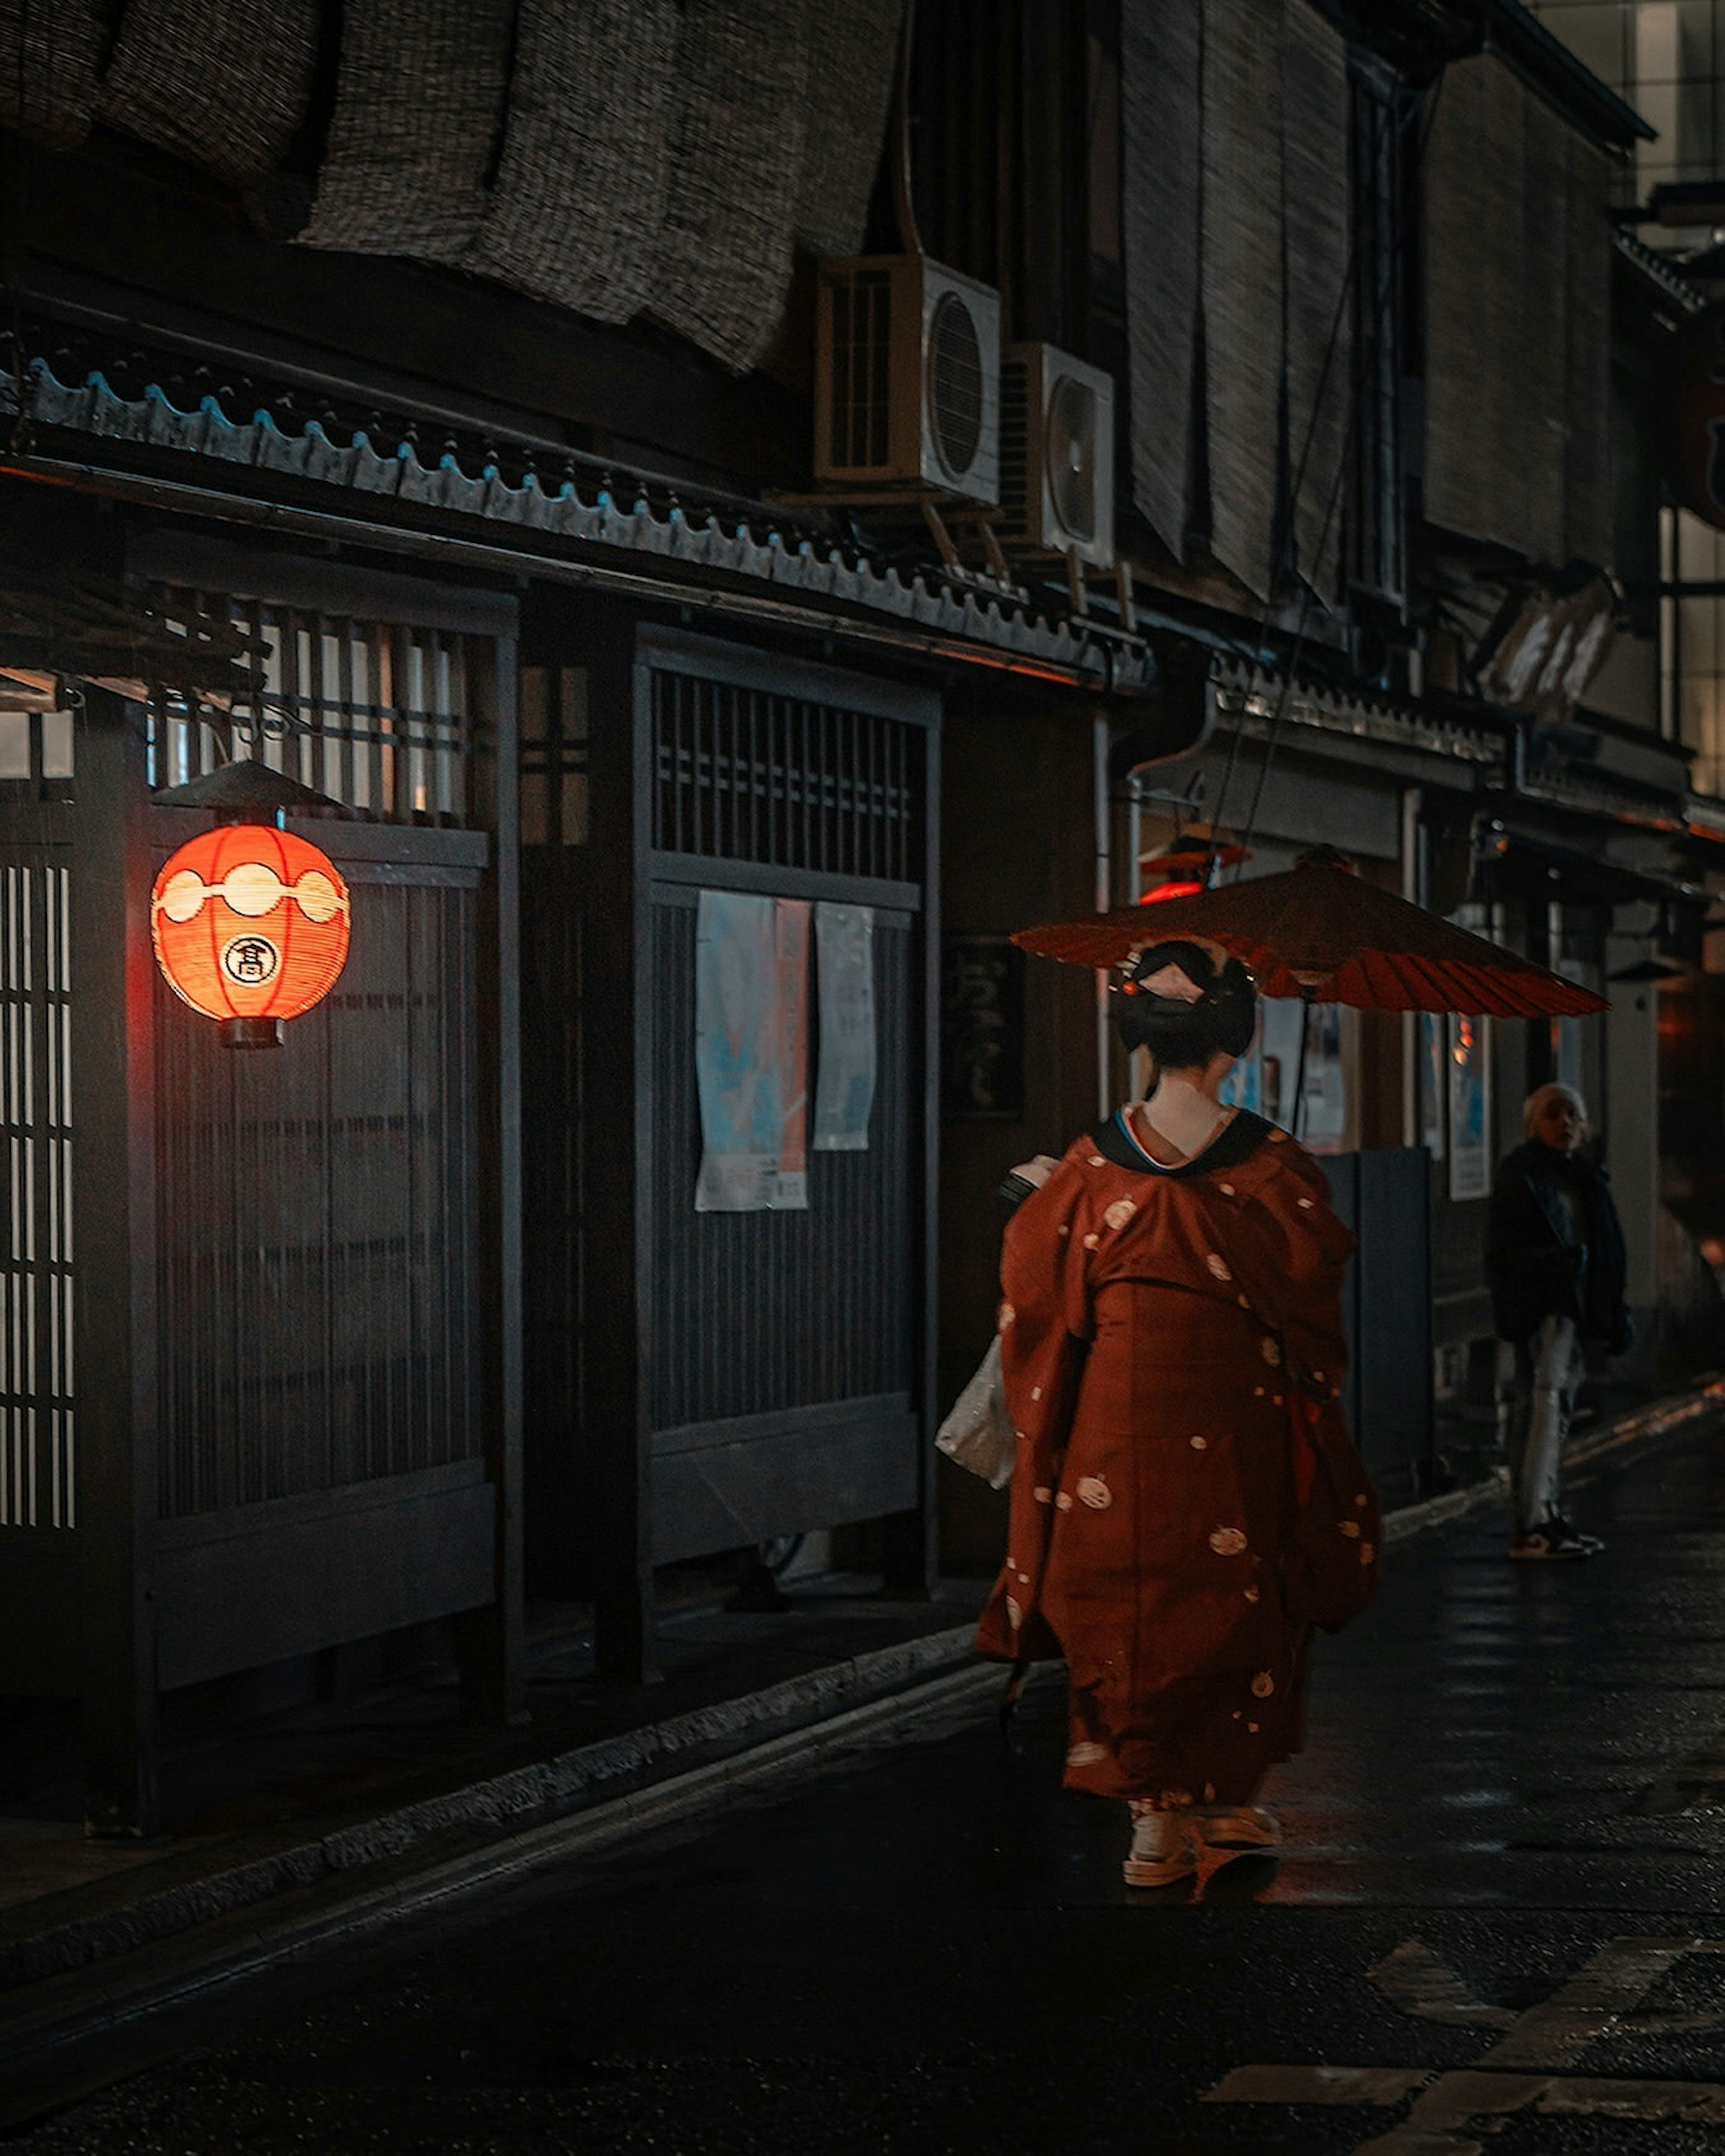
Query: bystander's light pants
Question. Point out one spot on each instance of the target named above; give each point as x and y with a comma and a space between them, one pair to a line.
1548, 1369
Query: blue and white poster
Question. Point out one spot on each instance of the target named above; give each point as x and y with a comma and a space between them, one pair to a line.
752, 1052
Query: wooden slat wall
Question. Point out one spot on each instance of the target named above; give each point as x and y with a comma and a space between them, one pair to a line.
1518, 353
754, 1311
317, 1221
1160, 50
1316, 228
1242, 279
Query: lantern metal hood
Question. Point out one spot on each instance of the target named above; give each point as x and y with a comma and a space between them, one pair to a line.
249, 921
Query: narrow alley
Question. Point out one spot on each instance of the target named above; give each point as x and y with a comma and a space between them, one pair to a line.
1500, 1910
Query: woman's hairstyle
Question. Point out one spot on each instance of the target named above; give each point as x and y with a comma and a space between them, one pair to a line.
1534, 1105
1183, 1033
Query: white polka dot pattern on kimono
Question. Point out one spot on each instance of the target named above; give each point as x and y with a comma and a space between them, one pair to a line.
1036, 1391
1263, 1685
1305, 1204
1349, 1528
1360, 1499
1088, 1755
1253, 1726
1217, 1265
1227, 1541
1251, 1594
1271, 1352
1199, 1444
1007, 1314
1226, 1189
1278, 1137
1093, 1491
1119, 1212
1042, 1494
1097, 1160
1091, 1242
1063, 1503
1368, 1554
1015, 1612
1209, 1793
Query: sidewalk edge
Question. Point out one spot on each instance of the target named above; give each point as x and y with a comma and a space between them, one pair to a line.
497, 1806
561, 1786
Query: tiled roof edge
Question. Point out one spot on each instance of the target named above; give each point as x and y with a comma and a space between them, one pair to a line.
798, 566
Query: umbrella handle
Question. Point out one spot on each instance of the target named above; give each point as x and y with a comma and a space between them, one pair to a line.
1294, 1121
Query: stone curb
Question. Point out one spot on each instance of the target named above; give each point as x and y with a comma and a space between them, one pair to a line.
546, 1790
498, 1805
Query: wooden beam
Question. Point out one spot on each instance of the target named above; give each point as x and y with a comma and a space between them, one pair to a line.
491, 1643
113, 1288
615, 987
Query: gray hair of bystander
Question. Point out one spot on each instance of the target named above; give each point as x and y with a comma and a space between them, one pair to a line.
1535, 1103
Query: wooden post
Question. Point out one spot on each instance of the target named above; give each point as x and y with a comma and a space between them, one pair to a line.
491, 1643
113, 1290
616, 1075
908, 1538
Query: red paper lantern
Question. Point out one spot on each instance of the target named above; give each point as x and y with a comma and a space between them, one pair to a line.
250, 926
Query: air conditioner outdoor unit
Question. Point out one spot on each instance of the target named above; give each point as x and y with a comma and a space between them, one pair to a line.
907, 374
1056, 456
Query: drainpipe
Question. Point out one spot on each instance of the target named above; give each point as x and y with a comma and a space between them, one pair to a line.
1411, 798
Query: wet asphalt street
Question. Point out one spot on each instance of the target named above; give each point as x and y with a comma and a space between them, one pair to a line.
1499, 1922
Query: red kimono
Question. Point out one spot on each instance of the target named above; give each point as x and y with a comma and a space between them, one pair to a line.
1171, 1343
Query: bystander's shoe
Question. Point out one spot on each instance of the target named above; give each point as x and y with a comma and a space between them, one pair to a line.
1591, 1544
1161, 1849
1235, 1827
1552, 1538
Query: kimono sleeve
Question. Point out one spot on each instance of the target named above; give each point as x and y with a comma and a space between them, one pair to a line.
1045, 1316
1294, 1253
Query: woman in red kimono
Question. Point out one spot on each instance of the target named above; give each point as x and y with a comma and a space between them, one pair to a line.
1186, 1503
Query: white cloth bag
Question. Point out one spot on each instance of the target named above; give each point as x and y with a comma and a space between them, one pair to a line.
978, 1432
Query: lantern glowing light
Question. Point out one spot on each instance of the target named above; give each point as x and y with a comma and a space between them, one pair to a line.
250, 925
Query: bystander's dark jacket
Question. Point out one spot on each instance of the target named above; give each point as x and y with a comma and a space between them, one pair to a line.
1537, 1267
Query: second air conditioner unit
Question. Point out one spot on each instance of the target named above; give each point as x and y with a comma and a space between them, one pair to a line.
907, 375
1056, 456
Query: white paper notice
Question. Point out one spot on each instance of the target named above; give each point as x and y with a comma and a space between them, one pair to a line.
845, 1082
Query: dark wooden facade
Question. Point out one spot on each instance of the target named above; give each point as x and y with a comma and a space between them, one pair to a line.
262, 1393
701, 1381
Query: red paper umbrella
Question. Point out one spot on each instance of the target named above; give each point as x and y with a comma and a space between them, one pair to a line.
1320, 932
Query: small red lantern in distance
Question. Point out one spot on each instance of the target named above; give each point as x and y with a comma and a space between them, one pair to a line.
250, 926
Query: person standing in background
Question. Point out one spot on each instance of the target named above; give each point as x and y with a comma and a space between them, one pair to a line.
1556, 1264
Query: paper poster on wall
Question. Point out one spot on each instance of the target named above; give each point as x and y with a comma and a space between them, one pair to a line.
1278, 1055
982, 1027
1469, 1090
1243, 1085
752, 1052
845, 1077
1323, 1114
